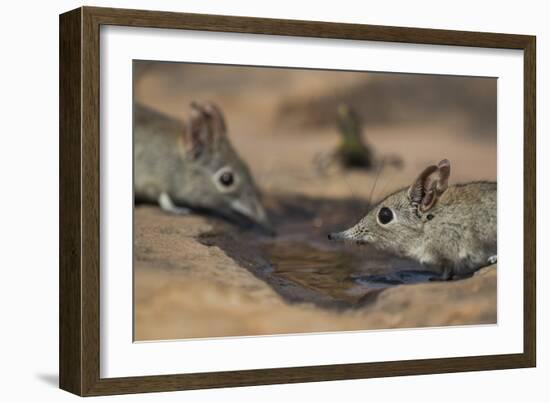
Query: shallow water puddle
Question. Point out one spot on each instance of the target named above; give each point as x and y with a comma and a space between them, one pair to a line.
342, 274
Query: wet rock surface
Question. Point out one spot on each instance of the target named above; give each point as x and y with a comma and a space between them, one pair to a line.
198, 277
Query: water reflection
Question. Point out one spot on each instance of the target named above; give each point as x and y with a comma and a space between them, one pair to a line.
343, 274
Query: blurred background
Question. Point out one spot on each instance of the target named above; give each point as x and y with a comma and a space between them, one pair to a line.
280, 120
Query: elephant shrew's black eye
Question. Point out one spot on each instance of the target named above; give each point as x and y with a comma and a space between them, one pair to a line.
385, 215
226, 178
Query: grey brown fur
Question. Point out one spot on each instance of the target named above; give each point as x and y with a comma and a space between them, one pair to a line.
180, 165
449, 229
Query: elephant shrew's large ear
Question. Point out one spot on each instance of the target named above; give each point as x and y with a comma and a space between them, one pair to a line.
430, 185
205, 130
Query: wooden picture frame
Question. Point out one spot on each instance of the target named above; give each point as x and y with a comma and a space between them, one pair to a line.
79, 200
